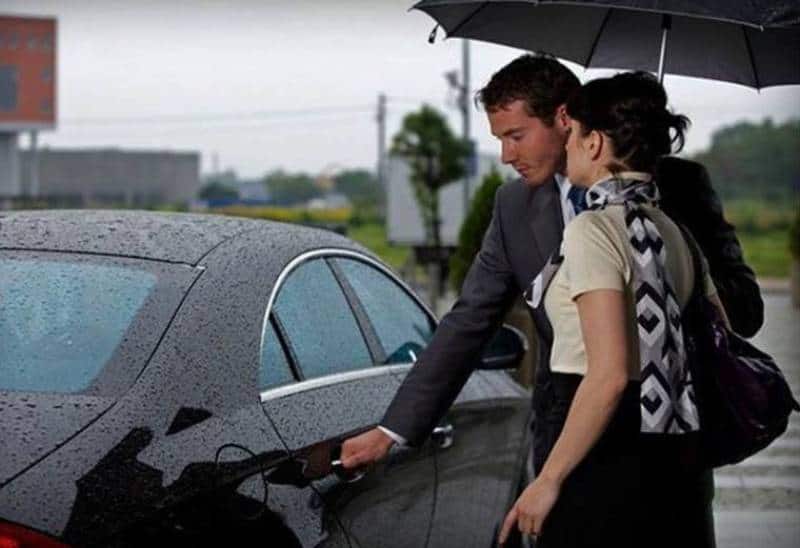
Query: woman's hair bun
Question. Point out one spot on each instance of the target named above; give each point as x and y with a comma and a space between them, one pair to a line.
631, 108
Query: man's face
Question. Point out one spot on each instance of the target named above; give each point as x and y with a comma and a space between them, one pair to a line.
530, 146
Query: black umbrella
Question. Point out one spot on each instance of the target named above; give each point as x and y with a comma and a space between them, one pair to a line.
754, 42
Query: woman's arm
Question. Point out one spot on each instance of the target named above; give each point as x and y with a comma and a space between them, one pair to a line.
603, 325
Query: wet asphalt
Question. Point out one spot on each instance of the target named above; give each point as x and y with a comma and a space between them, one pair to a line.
757, 502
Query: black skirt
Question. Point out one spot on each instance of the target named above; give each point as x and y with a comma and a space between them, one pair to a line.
631, 489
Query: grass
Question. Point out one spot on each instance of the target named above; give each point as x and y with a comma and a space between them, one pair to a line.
767, 252
373, 236
763, 230
340, 215
753, 216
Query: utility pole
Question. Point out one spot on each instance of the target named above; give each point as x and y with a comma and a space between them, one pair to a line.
381, 118
460, 83
214, 164
464, 104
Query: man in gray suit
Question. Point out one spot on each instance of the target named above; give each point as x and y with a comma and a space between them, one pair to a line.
524, 102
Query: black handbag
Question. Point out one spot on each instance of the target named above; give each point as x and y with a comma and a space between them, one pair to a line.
743, 398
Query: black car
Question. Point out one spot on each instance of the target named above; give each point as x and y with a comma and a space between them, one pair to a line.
190, 378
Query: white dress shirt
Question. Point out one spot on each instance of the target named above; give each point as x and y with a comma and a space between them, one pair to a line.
398, 439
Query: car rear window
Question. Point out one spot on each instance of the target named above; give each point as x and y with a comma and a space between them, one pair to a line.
62, 321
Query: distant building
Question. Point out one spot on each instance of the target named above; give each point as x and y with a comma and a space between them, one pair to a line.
331, 200
114, 177
28, 91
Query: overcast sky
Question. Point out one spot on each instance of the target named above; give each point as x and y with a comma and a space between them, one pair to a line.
293, 84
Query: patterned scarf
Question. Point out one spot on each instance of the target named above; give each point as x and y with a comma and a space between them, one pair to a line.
667, 399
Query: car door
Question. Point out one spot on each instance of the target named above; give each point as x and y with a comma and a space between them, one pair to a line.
479, 473
481, 442
294, 517
343, 390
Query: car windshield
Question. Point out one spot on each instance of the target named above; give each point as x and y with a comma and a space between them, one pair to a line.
61, 321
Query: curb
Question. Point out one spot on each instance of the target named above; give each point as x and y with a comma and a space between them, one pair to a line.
774, 285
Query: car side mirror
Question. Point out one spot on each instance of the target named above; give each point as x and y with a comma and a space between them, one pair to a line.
506, 349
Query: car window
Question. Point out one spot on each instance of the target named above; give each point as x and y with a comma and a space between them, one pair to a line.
60, 322
320, 328
402, 326
274, 370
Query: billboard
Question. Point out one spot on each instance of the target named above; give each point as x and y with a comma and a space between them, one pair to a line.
27, 73
403, 218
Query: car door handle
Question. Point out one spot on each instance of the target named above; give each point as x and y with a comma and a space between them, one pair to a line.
347, 476
443, 435
324, 459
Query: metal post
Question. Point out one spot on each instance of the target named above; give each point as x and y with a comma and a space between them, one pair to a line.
34, 186
666, 26
10, 185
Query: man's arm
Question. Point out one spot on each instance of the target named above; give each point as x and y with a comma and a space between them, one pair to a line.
688, 197
444, 366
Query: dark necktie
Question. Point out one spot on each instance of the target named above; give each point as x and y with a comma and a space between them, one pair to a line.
577, 197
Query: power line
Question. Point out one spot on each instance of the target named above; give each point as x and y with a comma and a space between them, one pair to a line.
246, 117
330, 123
262, 115
417, 100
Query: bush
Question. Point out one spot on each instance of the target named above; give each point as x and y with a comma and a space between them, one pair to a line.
365, 215
216, 190
794, 236
759, 217
473, 228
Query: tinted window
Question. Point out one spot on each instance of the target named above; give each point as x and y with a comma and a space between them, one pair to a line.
60, 322
318, 322
275, 369
402, 326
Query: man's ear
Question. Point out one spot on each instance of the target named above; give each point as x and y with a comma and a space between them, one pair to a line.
561, 117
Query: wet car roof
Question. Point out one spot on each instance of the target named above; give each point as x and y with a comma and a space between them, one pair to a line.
174, 237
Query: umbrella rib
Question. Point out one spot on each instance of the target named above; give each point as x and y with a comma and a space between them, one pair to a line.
467, 19
750, 55
674, 12
597, 37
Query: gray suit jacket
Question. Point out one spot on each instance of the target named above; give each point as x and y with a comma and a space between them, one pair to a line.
526, 227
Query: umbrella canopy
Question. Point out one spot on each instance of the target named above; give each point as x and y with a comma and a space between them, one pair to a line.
755, 43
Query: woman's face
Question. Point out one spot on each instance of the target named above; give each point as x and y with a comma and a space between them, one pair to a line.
580, 165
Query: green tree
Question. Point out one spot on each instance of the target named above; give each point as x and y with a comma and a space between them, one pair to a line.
436, 157
290, 188
755, 161
216, 190
473, 228
360, 186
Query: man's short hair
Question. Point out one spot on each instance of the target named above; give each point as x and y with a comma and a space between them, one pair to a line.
539, 80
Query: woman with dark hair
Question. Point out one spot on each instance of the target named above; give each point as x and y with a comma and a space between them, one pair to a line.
622, 469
